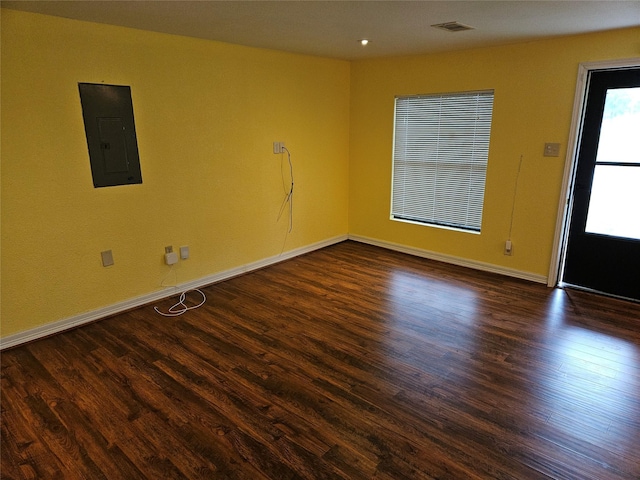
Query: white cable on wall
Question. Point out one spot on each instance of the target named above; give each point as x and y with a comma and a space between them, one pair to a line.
175, 277
515, 193
288, 197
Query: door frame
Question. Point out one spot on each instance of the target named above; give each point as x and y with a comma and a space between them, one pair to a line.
564, 207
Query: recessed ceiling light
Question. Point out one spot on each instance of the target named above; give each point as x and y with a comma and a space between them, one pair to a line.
364, 42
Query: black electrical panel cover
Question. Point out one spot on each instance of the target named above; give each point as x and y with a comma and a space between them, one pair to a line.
111, 134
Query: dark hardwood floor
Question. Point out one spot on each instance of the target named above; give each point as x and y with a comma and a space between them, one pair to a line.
350, 362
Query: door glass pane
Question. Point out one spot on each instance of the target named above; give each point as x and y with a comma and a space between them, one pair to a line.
620, 130
615, 192
615, 201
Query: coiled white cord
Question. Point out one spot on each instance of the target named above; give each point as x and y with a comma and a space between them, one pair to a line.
181, 307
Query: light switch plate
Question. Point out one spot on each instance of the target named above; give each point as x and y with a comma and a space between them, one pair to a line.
551, 149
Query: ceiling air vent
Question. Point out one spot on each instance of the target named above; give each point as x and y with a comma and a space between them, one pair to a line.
452, 26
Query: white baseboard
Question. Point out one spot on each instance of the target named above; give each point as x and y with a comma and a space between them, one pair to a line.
87, 317
463, 262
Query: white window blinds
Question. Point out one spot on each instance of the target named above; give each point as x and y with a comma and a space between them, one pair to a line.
441, 147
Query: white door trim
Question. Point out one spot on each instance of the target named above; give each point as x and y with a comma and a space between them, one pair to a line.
570, 160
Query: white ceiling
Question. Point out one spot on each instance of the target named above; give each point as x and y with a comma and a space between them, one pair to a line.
332, 28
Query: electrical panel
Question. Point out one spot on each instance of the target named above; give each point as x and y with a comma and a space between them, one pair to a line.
107, 111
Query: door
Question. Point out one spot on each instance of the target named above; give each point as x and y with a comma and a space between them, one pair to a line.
603, 243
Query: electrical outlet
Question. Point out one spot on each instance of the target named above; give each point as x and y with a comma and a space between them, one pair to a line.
508, 248
168, 249
278, 147
184, 252
107, 258
170, 258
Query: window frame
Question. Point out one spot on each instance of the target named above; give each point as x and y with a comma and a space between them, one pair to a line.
438, 146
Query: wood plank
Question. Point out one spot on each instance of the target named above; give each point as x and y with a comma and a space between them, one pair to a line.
351, 362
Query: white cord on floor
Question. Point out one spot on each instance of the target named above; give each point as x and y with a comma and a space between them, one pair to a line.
181, 307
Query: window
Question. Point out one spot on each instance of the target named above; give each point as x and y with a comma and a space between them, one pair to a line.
440, 152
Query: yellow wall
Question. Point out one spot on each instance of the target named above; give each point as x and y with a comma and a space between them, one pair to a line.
534, 87
206, 115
